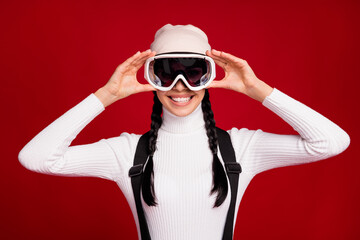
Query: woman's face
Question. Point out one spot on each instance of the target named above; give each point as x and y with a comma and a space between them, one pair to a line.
180, 100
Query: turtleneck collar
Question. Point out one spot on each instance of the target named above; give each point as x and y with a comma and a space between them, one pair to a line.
189, 123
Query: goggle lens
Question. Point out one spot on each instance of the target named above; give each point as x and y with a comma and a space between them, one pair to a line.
167, 69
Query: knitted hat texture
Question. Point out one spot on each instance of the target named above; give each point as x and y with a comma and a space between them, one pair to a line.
180, 38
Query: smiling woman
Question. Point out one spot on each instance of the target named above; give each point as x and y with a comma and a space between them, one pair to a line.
185, 179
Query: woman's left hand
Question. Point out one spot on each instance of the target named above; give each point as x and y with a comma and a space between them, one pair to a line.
238, 76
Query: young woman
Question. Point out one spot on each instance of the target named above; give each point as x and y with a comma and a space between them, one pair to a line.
186, 193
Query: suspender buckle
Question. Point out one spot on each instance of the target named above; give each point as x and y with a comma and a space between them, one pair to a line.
233, 167
136, 170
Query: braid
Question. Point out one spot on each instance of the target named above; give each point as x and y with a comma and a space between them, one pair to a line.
220, 184
148, 180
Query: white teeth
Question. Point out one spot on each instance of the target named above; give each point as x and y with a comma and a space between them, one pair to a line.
182, 100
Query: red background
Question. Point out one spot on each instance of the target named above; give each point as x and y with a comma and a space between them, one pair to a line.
55, 53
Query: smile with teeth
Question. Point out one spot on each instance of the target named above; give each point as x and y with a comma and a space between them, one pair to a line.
181, 99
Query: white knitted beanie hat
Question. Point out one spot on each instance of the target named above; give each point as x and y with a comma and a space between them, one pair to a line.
180, 38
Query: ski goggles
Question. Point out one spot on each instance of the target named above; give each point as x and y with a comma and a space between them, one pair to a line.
165, 70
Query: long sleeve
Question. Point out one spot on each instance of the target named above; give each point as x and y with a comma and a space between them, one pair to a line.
319, 138
49, 151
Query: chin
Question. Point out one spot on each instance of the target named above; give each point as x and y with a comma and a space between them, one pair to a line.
182, 112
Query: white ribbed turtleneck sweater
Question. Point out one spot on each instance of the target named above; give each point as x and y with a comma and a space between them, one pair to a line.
183, 161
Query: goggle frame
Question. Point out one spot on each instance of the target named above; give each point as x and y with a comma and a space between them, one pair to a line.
180, 76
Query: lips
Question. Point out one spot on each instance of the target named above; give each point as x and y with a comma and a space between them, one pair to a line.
181, 99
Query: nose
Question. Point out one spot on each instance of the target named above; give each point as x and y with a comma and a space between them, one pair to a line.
180, 85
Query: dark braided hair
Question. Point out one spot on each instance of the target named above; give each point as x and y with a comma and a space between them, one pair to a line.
148, 180
219, 176
220, 184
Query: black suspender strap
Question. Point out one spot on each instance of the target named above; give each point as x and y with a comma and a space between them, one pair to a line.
136, 174
233, 169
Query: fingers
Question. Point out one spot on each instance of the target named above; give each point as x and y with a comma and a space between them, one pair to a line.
217, 60
146, 88
225, 57
136, 56
136, 61
131, 59
141, 58
220, 63
218, 84
215, 84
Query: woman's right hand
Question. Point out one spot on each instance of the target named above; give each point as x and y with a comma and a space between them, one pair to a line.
123, 82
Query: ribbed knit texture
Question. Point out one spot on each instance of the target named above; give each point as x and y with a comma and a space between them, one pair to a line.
182, 162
